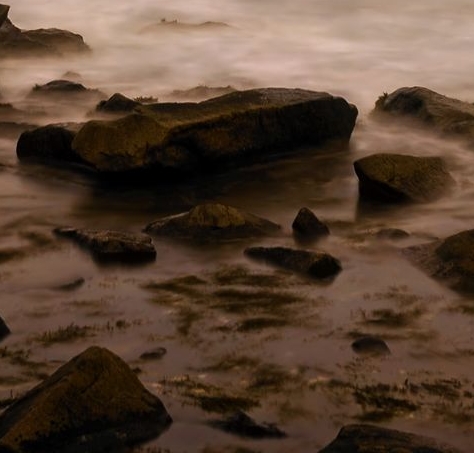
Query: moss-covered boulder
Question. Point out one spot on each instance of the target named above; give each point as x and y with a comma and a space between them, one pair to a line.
402, 178
318, 265
371, 439
450, 260
212, 221
94, 403
166, 138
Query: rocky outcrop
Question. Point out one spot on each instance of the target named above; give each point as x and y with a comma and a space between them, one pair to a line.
93, 403
402, 178
212, 221
63, 41
65, 89
370, 345
318, 265
307, 227
193, 137
4, 330
117, 103
450, 260
367, 438
112, 246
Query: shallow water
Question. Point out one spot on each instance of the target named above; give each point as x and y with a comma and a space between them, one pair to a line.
357, 49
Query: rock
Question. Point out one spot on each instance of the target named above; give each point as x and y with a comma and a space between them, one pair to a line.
449, 260
108, 246
401, 178
154, 354
117, 103
213, 221
3, 13
317, 265
174, 25
63, 41
437, 112
167, 138
370, 345
4, 330
393, 234
94, 403
307, 226
200, 93
367, 438
241, 424
64, 89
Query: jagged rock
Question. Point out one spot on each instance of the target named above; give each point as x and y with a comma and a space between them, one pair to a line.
94, 403
307, 226
368, 439
65, 88
449, 260
437, 112
370, 345
393, 234
166, 138
200, 93
4, 330
402, 178
241, 424
117, 103
106, 245
317, 265
213, 221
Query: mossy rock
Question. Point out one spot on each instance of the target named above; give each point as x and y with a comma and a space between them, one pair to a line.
93, 403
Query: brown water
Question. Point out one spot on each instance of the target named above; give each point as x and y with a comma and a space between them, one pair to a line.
301, 371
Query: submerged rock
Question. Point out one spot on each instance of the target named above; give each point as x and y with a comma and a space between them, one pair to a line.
213, 221
167, 138
370, 345
106, 245
93, 403
4, 330
317, 265
402, 178
117, 103
371, 439
307, 226
450, 260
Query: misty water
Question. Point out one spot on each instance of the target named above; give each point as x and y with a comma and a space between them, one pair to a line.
302, 374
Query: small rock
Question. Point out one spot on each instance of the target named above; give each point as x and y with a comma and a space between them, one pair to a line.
370, 345
317, 265
393, 234
108, 246
117, 103
4, 330
402, 178
241, 424
307, 226
154, 354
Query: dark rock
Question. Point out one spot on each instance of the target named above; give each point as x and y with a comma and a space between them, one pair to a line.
437, 112
370, 345
155, 354
401, 178
307, 226
63, 41
64, 89
367, 438
166, 138
93, 403
213, 221
200, 93
3, 13
392, 234
4, 330
175, 26
450, 260
108, 246
317, 265
117, 103
241, 424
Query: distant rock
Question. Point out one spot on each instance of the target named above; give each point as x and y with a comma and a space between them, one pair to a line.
370, 345
393, 234
4, 330
176, 26
449, 260
200, 93
371, 439
168, 138
402, 178
212, 221
318, 265
112, 246
63, 41
307, 226
65, 89
94, 403
117, 103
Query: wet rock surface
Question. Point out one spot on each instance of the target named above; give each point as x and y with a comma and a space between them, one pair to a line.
307, 226
402, 178
370, 345
368, 438
93, 403
112, 246
213, 221
318, 265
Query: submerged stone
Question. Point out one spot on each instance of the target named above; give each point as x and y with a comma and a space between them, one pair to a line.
94, 403
370, 345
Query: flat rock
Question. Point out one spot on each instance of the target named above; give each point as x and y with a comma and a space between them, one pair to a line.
4, 330
402, 178
213, 221
318, 265
437, 112
94, 403
370, 345
449, 260
371, 439
239, 127
109, 246
307, 226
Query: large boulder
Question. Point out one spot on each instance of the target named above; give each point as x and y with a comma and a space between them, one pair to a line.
402, 178
450, 260
438, 112
94, 403
192, 137
212, 221
371, 439
318, 265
